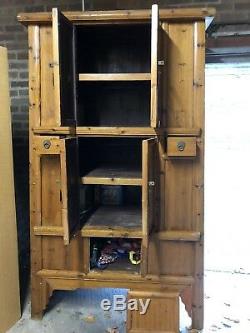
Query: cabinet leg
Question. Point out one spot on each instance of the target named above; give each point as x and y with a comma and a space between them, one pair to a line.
197, 306
198, 289
40, 294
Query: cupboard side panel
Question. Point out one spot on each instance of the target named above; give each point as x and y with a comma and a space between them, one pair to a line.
198, 173
180, 68
51, 188
34, 120
49, 114
179, 195
171, 258
57, 256
163, 72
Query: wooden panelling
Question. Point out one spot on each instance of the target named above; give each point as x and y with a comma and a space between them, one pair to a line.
198, 173
48, 115
51, 213
148, 196
162, 315
180, 63
154, 66
179, 195
171, 258
35, 209
58, 256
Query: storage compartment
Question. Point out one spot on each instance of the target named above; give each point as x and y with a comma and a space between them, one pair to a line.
115, 254
110, 160
103, 49
111, 211
114, 103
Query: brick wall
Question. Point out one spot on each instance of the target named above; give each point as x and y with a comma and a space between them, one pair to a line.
227, 10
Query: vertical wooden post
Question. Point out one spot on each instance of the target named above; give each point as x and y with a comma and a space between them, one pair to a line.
198, 174
154, 65
37, 295
56, 70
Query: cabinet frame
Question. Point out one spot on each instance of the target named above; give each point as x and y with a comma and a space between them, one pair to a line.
45, 280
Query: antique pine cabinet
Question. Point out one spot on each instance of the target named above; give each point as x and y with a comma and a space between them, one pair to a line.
116, 109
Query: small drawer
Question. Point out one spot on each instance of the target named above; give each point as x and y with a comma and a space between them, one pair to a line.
181, 147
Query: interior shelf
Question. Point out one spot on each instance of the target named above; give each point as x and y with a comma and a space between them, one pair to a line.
103, 131
114, 221
110, 175
115, 77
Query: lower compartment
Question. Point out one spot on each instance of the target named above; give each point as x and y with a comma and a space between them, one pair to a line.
115, 254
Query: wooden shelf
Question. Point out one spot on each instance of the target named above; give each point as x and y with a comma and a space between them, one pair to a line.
115, 77
108, 175
118, 131
114, 221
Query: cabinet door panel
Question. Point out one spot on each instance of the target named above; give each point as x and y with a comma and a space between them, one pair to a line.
64, 62
149, 172
56, 186
162, 315
70, 187
154, 66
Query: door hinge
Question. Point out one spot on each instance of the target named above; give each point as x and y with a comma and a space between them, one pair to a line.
161, 62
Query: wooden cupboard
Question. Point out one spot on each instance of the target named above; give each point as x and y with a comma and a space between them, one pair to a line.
117, 155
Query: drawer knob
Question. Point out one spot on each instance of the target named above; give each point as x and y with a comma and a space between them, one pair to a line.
46, 144
181, 145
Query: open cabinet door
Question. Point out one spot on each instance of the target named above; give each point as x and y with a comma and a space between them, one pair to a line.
154, 117
149, 185
56, 189
70, 188
64, 69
